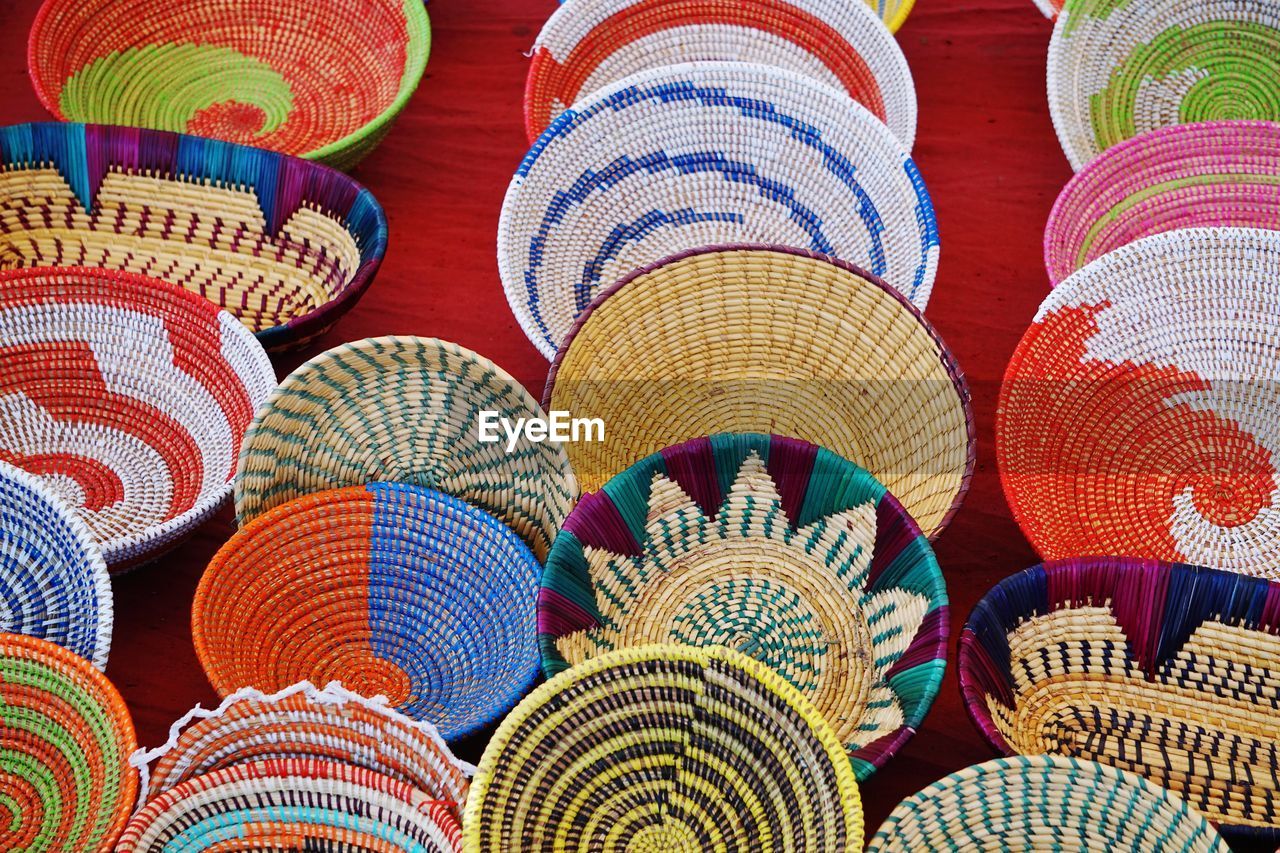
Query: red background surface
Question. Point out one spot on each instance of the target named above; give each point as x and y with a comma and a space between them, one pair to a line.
986, 149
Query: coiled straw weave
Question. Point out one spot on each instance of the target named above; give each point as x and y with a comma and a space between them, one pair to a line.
758, 339
664, 748
1167, 670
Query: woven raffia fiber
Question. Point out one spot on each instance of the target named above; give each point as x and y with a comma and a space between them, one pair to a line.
129, 396
293, 805
322, 79
1167, 670
772, 546
667, 748
285, 245
1044, 803
760, 339
392, 589
1118, 68
1209, 174
703, 153
303, 720
65, 740
1137, 415
406, 410
53, 581
592, 43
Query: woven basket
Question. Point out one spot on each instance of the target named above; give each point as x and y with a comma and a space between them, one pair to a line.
285, 245
65, 739
129, 397
1044, 803
701, 153
301, 721
293, 805
760, 339
322, 80
1137, 415
405, 409
664, 748
1167, 670
392, 589
53, 582
774, 547
590, 44
1210, 174
1118, 68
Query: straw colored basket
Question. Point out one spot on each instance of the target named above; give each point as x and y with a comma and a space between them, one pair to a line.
391, 589
293, 805
53, 581
405, 409
589, 44
760, 339
1167, 670
303, 721
664, 748
285, 245
1044, 803
322, 79
1137, 415
701, 153
1118, 68
65, 739
1209, 174
129, 397
772, 546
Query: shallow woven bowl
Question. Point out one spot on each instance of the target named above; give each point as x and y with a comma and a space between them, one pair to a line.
772, 546
65, 740
293, 804
769, 339
1117, 68
1137, 415
1044, 803
404, 410
1210, 174
285, 245
322, 79
129, 397
664, 747
53, 582
392, 589
703, 153
590, 44
1162, 669
304, 721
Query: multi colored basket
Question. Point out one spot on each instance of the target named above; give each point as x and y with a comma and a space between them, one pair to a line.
405, 409
285, 245
665, 748
769, 339
392, 589
322, 80
1050, 8
1167, 670
302, 721
65, 739
1137, 415
772, 546
1118, 68
129, 397
293, 804
53, 581
1044, 803
590, 44
1210, 174
701, 153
